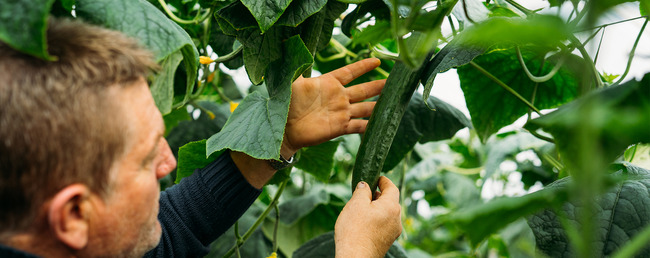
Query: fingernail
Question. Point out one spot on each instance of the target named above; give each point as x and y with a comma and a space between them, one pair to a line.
361, 185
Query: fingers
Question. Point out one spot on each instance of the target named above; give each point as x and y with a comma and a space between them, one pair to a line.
352, 71
356, 126
362, 193
366, 90
388, 190
362, 109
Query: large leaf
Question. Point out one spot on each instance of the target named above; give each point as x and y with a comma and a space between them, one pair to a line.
622, 212
373, 34
260, 49
420, 124
480, 221
266, 12
491, 107
617, 117
323, 247
316, 31
143, 21
318, 160
299, 10
256, 127
23, 24
191, 157
294, 209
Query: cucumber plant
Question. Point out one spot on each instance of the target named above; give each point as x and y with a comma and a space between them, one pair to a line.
516, 61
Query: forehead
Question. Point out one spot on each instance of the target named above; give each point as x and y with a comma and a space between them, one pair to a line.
142, 118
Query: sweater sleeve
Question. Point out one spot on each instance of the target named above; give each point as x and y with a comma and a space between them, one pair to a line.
201, 208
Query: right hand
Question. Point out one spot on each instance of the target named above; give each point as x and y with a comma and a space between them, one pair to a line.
367, 227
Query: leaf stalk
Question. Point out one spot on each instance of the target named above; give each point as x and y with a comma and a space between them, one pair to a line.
259, 220
504, 86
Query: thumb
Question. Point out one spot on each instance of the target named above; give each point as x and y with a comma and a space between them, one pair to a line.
362, 193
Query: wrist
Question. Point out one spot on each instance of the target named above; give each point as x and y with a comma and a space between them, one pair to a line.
287, 150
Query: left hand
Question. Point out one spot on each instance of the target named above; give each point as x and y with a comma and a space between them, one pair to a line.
322, 108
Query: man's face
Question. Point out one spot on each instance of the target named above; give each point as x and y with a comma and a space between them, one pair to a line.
127, 221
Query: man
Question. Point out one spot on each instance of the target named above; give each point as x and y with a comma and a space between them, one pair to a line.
82, 149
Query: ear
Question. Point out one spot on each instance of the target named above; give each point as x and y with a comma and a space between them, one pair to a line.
68, 215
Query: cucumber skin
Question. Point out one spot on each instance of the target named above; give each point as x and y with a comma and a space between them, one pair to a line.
383, 124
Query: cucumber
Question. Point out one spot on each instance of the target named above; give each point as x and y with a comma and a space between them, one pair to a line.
384, 122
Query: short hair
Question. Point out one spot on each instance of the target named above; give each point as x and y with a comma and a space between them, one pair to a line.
57, 124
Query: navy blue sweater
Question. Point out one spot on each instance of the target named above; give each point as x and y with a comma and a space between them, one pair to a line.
201, 208
197, 211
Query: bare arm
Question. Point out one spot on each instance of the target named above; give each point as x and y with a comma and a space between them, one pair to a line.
321, 109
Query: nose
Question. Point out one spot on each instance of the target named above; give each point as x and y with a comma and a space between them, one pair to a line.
168, 162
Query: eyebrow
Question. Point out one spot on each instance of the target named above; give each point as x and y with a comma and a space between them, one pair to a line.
152, 154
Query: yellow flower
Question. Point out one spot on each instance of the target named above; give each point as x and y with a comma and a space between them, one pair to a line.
205, 60
273, 255
211, 77
233, 105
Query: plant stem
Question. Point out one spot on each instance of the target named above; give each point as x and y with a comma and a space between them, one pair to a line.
182, 21
345, 51
629, 61
633, 153
520, 7
237, 239
599, 45
229, 56
275, 228
585, 55
609, 24
539, 79
259, 220
504, 86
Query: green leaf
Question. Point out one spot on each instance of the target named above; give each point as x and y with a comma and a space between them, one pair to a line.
318, 160
260, 49
373, 34
161, 91
644, 8
223, 44
143, 21
491, 107
238, 17
377, 8
452, 55
480, 221
420, 124
323, 246
621, 214
257, 125
191, 157
299, 10
266, 12
600, 114
197, 129
23, 26
174, 118
296, 208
